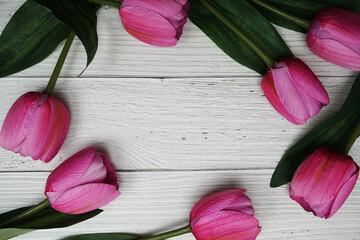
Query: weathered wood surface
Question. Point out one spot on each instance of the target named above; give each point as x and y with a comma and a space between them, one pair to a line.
178, 123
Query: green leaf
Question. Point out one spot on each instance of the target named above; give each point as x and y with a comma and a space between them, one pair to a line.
305, 9
44, 219
80, 16
29, 37
247, 20
102, 236
335, 133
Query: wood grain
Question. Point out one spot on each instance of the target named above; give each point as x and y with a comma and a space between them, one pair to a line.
152, 202
222, 123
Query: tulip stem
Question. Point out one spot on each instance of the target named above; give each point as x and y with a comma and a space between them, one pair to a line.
27, 213
267, 60
297, 20
352, 139
115, 4
54, 76
169, 234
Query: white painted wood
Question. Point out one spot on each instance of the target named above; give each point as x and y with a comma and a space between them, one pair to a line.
171, 123
120, 55
157, 201
178, 123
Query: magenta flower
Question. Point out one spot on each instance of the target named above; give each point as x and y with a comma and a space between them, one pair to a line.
334, 35
35, 126
158, 23
294, 90
226, 215
322, 183
84, 182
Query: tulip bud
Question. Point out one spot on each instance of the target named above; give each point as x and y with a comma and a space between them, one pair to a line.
323, 181
226, 215
294, 90
84, 182
158, 23
35, 126
334, 35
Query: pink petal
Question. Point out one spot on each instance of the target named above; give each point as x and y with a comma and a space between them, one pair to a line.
148, 26
306, 80
343, 194
166, 8
341, 25
111, 174
213, 203
334, 52
38, 126
67, 174
267, 85
13, 131
241, 204
85, 198
227, 225
320, 179
298, 103
96, 172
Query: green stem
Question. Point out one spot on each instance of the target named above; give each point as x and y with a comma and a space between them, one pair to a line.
26, 213
299, 21
268, 60
54, 76
169, 234
352, 139
110, 3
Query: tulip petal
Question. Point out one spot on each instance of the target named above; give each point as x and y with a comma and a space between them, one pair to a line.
166, 8
39, 127
306, 80
111, 174
322, 177
343, 194
148, 26
227, 225
13, 130
214, 203
334, 52
298, 103
267, 85
85, 198
241, 204
70, 171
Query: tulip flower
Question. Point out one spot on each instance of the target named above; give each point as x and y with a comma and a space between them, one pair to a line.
82, 183
224, 215
334, 35
323, 182
36, 126
158, 23
294, 90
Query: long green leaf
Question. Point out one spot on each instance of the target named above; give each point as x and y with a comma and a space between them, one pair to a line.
102, 236
334, 133
246, 19
44, 219
29, 37
80, 16
305, 9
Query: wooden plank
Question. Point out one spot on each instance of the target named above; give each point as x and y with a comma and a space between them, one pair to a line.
121, 55
171, 123
156, 201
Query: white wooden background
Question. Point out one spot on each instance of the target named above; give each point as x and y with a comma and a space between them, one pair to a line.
178, 123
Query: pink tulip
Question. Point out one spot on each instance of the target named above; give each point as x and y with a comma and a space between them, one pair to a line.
334, 35
35, 126
84, 182
322, 183
225, 215
158, 23
294, 90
